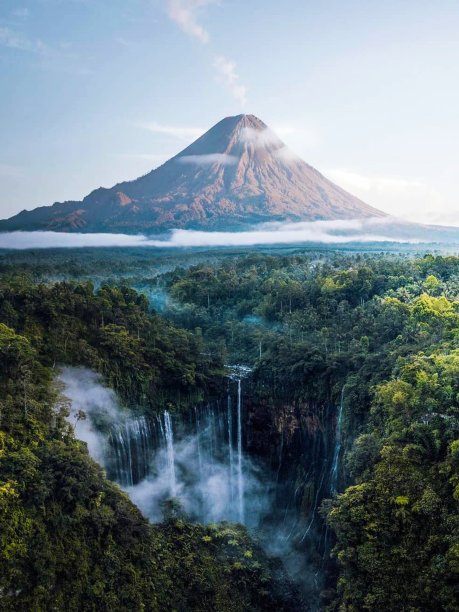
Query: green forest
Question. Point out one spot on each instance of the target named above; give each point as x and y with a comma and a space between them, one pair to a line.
374, 333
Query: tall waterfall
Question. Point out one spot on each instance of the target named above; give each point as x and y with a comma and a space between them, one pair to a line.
198, 441
170, 453
229, 421
240, 479
334, 472
131, 441
197, 458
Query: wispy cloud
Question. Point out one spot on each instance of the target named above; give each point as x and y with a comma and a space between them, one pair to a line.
59, 56
299, 136
179, 132
11, 171
123, 42
260, 138
211, 158
16, 40
413, 198
380, 183
228, 77
157, 158
21, 13
287, 155
185, 15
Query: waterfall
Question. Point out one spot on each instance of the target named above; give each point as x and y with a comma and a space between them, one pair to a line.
198, 440
229, 421
240, 478
170, 453
196, 456
131, 444
334, 473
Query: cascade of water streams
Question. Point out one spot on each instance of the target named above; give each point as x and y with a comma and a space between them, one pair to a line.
170, 452
131, 443
240, 476
229, 420
198, 440
199, 459
334, 473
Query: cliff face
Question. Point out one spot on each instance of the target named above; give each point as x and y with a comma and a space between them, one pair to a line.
237, 174
298, 440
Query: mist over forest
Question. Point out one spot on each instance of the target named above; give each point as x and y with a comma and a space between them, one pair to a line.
276, 429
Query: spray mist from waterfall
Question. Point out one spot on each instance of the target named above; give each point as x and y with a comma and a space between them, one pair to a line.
197, 458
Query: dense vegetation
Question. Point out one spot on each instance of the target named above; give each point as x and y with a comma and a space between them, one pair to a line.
70, 539
384, 329
387, 331
147, 360
398, 526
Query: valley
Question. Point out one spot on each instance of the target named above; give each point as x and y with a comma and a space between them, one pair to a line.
350, 373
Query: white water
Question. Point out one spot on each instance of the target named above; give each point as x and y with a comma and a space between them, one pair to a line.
229, 420
170, 453
199, 460
131, 444
240, 478
337, 451
198, 440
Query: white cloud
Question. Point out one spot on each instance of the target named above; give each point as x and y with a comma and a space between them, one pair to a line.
268, 138
371, 183
180, 132
21, 13
123, 42
260, 138
11, 171
59, 57
299, 136
444, 217
184, 13
228, 77
411, 198
153, 157
287, 155
16, 40
326, 232
211, 158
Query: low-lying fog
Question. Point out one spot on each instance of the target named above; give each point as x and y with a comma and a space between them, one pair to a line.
387, 229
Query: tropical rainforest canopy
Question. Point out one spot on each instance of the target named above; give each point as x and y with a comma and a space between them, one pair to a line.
380, 330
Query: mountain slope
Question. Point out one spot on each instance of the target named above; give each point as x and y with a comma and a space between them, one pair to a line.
236, 174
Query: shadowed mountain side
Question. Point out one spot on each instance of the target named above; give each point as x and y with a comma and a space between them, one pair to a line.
237, 174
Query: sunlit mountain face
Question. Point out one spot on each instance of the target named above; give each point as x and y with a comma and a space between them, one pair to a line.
237, 174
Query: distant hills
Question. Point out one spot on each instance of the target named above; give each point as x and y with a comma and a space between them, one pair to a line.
237, 174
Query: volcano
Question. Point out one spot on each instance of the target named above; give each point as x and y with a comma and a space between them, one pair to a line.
237, 174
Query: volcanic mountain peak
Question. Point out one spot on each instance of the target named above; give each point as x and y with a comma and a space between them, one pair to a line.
235, 175
233, 136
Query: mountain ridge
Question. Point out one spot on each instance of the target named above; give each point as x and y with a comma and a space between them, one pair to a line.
237, 174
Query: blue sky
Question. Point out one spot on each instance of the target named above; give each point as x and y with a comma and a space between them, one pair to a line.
98, 91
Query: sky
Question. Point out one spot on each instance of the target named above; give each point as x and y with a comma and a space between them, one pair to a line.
99, 91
